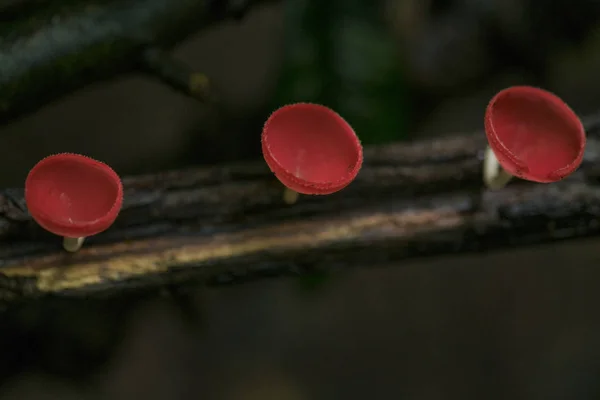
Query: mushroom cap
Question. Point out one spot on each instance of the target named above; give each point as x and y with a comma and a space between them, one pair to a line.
534, 134
311, 148
73, 195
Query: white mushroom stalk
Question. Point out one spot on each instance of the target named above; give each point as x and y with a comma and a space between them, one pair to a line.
494, 176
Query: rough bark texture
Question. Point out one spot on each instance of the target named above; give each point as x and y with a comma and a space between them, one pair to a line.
51, 48
229, 224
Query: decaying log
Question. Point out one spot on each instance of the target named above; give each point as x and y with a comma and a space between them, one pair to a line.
229, 224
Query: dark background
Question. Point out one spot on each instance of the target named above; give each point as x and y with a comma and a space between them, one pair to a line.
518, 325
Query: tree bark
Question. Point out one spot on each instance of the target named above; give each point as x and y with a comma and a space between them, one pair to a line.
229, 224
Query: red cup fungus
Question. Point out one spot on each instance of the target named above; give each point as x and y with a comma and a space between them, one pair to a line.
533, 135
73, 196
311, 149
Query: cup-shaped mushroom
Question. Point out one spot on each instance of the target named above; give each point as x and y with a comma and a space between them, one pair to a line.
311, 149
73, 196
533, 135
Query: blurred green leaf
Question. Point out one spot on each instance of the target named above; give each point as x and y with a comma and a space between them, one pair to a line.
339, 53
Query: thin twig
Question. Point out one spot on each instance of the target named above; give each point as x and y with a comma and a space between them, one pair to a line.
175, 74
51, 48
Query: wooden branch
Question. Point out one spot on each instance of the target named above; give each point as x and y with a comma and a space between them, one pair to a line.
229, 224
51, 48
173, 73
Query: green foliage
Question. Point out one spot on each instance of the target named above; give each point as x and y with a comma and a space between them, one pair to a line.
339, 53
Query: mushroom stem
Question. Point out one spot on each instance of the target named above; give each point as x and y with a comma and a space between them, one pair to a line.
73, 244
290, 196
494, 176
